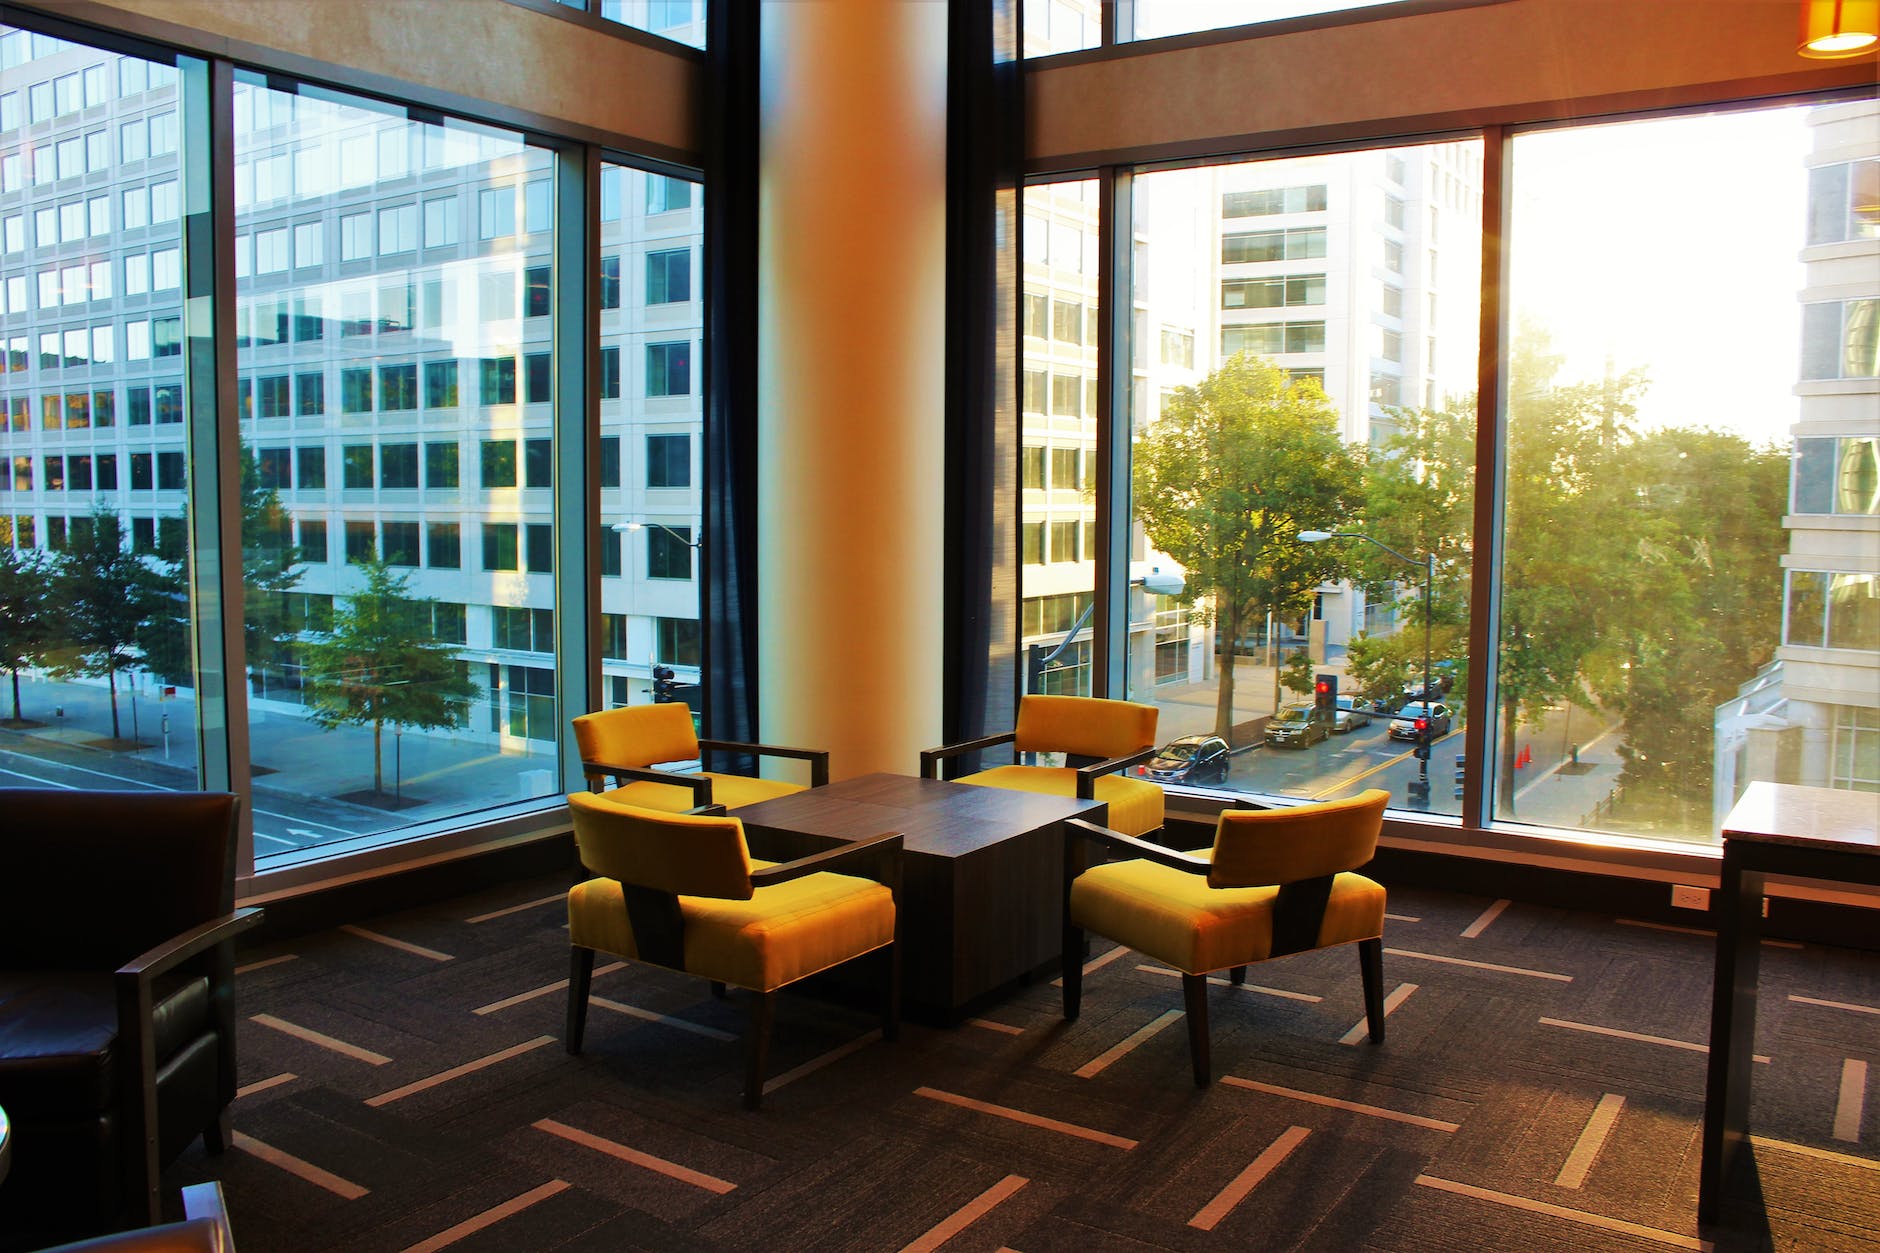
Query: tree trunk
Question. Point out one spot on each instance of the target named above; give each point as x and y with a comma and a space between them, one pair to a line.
1272, 621
1229, 626
1504, 769
16, 694
378, 773
111, 680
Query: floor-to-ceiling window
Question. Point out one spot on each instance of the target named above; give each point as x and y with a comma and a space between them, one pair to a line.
96, 632
1304, 359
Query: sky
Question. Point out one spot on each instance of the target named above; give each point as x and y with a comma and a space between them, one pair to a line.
1673, 245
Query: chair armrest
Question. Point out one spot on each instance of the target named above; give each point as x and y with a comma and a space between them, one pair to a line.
932, 757
179, 949
1087, 776
1188, 863
700, 785
818, 758
874, 846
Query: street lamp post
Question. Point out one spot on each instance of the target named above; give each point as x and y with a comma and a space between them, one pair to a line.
1429, 589
691, 542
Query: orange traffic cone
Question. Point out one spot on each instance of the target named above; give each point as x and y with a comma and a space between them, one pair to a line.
1523, 757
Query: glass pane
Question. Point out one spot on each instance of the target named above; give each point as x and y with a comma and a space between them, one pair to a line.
1339, 398
1642, 592
398, 299
1176, 17
93, 508
1058, 437
679, 20
652, 420
1061, 26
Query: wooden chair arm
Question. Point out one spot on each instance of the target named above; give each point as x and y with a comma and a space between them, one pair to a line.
888, 842
1188, 863
1087, 776
932, 757
700, 785
818, 758
180, 948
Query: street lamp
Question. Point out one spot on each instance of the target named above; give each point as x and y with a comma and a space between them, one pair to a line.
1429, 589
662, 683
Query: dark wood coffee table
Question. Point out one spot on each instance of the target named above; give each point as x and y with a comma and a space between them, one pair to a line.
982, 890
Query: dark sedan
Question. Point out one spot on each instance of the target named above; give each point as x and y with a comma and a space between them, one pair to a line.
1190, 759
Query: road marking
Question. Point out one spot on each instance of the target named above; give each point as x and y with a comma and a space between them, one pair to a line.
1332, 789
1592, 1139
1122, 1048
1354, 1107
141, 785
1391, 1002
1826, 1155
1481, 924
1210, 1215
457, 1072
817, 1063
1029, 1119
344, 1188
1859, 1009
1614, 1032
488, 1218
1853, 1102
672, 1170
1463, 961
324, 1041
544, 990
966, 1215
1571, 1215
1220, 982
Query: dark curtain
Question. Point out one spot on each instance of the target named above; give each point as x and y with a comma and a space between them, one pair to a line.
728, 598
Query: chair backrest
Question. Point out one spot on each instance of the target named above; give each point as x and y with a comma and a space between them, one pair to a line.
637, 735
1084, 726
1262, 847
90, 879
678, 854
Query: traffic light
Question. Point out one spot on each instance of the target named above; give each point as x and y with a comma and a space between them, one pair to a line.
662, 685
1461, 764
1423, 750
1325, 691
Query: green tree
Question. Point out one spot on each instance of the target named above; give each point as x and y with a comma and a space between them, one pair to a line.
1297, 674
105, 599
1226, 479
382, 663
26, 626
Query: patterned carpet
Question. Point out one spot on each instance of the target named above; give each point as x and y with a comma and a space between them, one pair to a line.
406, 1089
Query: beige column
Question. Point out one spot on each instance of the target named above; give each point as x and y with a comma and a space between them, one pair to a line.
852, 239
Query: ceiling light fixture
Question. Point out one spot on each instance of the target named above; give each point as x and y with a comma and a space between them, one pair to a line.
1839, 28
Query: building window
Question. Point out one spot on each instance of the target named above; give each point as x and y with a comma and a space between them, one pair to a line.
663, 195
669, 369
440, 464
668, 552
500, 546
310, 466
1840, 339
361, 542
538, 379
610, 282
1854, 756
610, 461
356, 467
443, 546
498, 381
313, 540
539, 539
400, 541
669, 461
440, 384
355, 390
669, 276
536, 294
1273, 200
398, 387
675, 641
1301, 243
499, 463
398, 466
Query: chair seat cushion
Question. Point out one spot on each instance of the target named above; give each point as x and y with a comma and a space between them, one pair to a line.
58, 1037
729, 790
1135, 804
783, 933
1177, 918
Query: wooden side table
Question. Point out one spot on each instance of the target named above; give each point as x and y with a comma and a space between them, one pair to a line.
1777, 828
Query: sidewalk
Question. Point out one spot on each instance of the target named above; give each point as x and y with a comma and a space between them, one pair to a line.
1565, 794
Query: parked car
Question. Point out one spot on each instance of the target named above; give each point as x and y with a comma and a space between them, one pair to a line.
1190, 759
1350, 715
1299, 726
1403, 723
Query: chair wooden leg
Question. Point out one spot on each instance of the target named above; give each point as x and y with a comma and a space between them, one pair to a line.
718, 990
1073, 971
757, 1048
1371, 964
1195, 996
891, 995
218, 1135
1237, 976
580, 975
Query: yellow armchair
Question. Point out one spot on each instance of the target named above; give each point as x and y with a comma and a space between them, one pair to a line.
625, 743
683, 892
1277, 881
1097, 737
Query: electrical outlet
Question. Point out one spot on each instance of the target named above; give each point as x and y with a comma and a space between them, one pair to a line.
1684, 896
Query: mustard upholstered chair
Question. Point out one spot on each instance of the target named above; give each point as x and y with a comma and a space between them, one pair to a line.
624, 744
1097, 737
682, 891
1277, 881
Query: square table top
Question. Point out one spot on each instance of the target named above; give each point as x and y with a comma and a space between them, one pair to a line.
934, 816
1828, 819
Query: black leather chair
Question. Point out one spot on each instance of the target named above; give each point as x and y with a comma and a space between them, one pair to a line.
117, 999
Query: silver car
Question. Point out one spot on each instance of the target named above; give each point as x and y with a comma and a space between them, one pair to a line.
1350, 716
